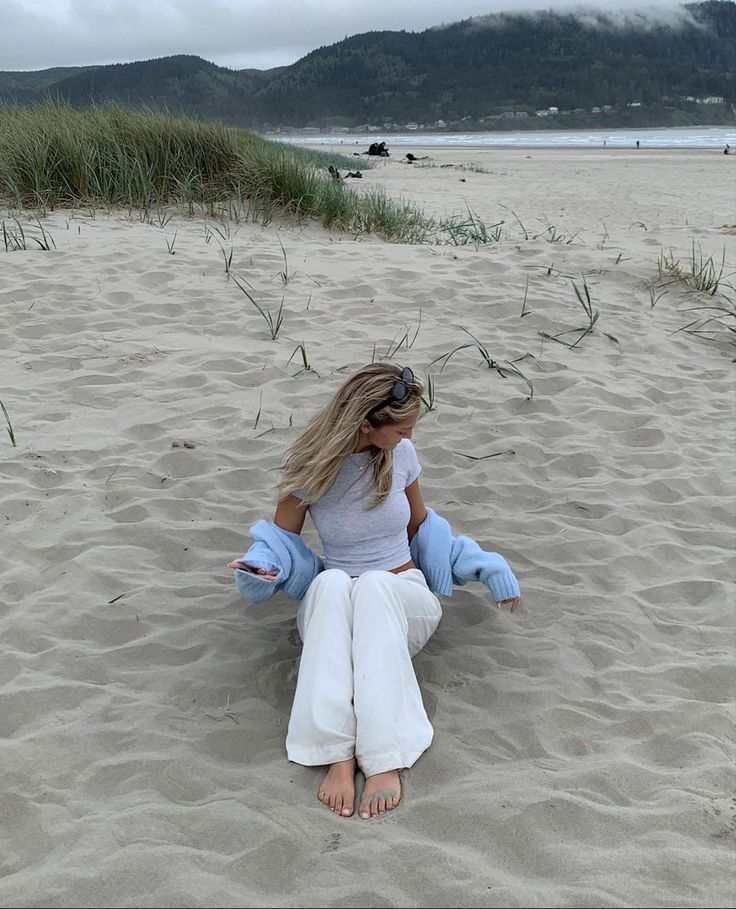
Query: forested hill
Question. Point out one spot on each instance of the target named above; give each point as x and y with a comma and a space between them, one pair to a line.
496, 71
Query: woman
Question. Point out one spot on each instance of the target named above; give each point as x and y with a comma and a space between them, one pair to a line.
367, 609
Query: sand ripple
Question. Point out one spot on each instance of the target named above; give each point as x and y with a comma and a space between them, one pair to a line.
583, 751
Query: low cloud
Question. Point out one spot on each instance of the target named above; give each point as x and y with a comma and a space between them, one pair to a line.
236, 33
642, 17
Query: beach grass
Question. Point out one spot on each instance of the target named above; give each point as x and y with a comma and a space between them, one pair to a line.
8, 425
461, 230
701, 276
16, 237
701, 273
108, 156
53, 155
503, 367
273, 319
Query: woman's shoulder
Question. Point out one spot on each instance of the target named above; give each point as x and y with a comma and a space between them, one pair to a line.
405, 457
405, 449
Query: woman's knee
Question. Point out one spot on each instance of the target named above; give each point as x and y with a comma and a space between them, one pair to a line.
373, 580
331, 579
383, 590
377, 592
330, 588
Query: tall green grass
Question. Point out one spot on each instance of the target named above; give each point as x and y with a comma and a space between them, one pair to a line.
52, 155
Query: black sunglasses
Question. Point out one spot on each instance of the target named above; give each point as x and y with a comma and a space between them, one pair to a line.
398, 393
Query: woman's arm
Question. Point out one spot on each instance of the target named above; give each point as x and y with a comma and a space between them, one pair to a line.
418, 508
290, 515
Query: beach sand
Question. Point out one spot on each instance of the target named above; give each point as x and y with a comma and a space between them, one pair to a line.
584, 746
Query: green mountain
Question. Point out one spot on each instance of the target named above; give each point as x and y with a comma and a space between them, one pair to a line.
488, 72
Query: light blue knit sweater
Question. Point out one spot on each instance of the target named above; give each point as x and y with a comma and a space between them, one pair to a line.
442, 558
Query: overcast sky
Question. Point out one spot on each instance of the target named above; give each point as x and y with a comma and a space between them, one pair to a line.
259, 34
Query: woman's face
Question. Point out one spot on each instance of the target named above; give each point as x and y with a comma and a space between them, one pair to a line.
387, 436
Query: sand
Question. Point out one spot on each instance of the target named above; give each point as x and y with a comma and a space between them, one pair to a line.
584, 747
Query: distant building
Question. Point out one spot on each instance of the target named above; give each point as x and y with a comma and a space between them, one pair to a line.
711, 99
634, 104
542, 113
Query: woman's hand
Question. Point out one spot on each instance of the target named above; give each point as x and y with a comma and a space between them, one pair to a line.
266, 575
513, 603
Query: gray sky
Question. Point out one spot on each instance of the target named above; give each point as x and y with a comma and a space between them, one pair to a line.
259, 34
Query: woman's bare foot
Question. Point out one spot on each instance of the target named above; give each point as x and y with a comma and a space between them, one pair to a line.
382, 793
338, 788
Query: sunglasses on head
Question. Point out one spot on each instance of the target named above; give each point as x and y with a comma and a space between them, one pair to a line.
399, 392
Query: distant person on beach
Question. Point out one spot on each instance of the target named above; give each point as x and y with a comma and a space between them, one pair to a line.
726, 149
379, 149
637, 143
369, 604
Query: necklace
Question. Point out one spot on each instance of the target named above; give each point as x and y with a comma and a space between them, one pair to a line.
358, 456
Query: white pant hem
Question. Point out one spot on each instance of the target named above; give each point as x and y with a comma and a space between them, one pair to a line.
315, 758
390, 760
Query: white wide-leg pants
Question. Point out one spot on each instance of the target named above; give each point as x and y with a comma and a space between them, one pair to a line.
356, 693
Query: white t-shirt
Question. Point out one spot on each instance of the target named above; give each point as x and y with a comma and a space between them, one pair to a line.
355, 537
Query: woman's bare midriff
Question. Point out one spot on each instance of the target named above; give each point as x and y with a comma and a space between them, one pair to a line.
405, 567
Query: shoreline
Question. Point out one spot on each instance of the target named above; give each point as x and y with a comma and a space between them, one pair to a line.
529, 138
568, 151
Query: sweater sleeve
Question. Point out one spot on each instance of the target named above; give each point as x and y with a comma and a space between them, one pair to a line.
471, 563
252, 586
445, 560
281, 551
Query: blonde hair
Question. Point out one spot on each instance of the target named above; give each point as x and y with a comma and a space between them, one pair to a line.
312, 463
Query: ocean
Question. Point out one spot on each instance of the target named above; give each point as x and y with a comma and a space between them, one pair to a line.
666, 137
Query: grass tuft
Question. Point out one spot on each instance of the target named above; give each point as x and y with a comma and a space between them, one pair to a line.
469, 229
503, 367
8, 426
702, 273
586, 301
274, 321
